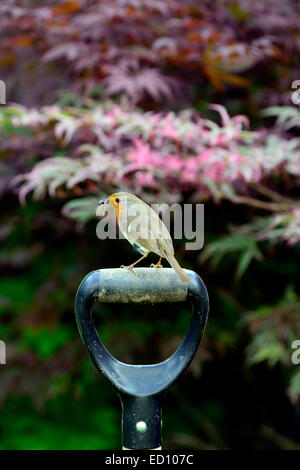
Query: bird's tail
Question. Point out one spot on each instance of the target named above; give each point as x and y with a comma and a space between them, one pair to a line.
176, 266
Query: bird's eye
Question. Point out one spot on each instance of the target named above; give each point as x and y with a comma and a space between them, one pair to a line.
117, 199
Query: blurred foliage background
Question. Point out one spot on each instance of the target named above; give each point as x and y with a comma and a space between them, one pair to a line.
175, 101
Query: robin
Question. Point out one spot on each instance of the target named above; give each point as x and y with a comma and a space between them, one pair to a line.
143, 228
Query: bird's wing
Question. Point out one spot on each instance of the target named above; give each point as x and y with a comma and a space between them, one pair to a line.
143, 226
143, 238
144, 229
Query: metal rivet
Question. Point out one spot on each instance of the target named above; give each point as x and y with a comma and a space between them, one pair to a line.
141, 426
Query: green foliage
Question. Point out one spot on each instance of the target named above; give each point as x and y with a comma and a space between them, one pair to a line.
15, 293
265, 347
45, 342
244, 248
294, 387
82, 210
274, 329
62, 426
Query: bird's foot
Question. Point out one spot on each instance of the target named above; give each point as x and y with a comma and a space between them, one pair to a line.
157, 265
129, 268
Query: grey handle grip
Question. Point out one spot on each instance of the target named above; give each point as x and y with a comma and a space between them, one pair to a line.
151, 285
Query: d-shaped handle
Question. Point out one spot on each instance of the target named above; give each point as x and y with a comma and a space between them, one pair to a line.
141, 387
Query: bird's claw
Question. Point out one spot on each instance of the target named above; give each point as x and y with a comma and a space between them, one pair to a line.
129, 268
158, 265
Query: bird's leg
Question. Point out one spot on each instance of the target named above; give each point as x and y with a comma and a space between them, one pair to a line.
133, 264
157, 265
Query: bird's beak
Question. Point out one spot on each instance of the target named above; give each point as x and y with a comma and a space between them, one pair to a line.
103, 201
